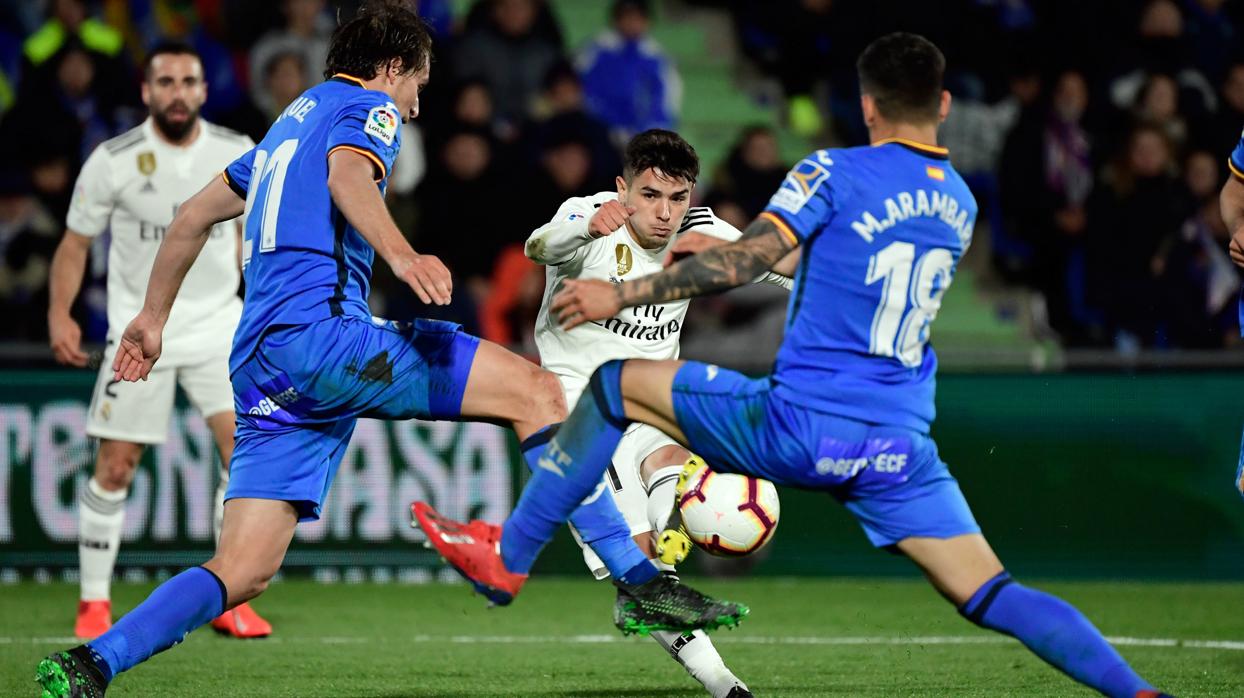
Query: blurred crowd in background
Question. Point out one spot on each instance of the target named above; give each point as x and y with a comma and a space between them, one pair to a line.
1095, 135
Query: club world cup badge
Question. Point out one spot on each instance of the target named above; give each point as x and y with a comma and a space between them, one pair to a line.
146, 163
625, 261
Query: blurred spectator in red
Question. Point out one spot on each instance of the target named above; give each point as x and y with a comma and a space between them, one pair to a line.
628, 81
753, 170
508, 315
1140, 205
28, 238
510, 45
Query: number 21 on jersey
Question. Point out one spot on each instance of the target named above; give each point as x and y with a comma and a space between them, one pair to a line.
911, 294
267, 185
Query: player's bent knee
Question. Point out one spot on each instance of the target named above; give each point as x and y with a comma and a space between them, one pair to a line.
550, 400
662, 458
115, 468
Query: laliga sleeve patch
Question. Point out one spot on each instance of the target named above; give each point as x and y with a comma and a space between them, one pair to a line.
800, 184
382, 123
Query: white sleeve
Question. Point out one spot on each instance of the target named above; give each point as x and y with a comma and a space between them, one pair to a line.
92, 202
562, 239
702, 220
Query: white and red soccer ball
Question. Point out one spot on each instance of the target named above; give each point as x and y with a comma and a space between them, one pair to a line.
729, 515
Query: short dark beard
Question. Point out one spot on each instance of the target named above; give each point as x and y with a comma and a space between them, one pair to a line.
175, 132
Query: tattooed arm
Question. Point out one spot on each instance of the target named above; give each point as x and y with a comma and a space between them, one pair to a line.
716, 269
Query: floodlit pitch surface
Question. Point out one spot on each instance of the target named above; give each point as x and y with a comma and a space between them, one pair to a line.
805, 637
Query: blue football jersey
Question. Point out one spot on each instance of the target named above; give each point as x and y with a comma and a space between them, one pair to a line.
882, 228
1236, 165
302, 261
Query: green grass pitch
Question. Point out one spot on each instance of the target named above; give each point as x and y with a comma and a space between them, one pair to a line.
805, 637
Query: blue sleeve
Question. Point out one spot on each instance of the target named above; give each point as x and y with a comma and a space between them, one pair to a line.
1236, 161
805, 201
238, 174
369, 125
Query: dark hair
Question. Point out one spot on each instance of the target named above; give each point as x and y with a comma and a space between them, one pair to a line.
620, 6
382, 31
168, 48
902, 72
661, 150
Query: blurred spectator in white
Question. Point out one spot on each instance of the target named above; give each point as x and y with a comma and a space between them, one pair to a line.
28, 238
1162, 46
753, 170
510, 46
1158, 104
628, 81
307, 31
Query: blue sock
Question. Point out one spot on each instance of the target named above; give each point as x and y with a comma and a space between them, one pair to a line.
1056, 632
572, 463
176, 607
598, 521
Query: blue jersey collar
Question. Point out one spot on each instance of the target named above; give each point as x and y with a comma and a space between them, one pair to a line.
926, 150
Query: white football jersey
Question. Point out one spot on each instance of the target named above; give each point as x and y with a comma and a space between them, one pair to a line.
642, 332
132, 186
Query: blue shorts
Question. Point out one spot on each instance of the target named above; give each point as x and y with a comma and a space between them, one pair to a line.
889, 477
298, 397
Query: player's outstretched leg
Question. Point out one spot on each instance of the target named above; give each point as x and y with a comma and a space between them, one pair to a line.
572, 463
252, 545
504, 387
241, 621
966, 571
101, 516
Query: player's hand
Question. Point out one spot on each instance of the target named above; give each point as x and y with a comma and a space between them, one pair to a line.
139, 349
691, 243
66, 340
428, 278
609, 217
584, 300
1237, 247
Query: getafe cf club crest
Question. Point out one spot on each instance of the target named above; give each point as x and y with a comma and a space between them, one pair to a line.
146, 163
623, 254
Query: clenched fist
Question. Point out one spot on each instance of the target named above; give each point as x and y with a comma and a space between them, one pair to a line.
609, 217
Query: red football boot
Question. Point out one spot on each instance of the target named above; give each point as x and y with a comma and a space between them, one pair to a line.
474, 549
94, 619
242, 621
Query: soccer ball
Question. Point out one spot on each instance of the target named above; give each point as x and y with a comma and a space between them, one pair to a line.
726, 514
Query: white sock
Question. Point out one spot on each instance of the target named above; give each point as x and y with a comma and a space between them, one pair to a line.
699, 657
218, 505
661, 496
101, 515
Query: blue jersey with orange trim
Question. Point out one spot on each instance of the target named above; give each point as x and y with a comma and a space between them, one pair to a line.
1236, 165
302, 261
882, 229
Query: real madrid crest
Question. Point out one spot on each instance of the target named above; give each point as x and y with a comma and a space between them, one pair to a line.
146, 163
623, 254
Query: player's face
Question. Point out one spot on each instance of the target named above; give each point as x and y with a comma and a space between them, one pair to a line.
660, 202
174, 93
405, 91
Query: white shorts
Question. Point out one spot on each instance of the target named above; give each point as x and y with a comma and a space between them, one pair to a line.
139, 412
625, 484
